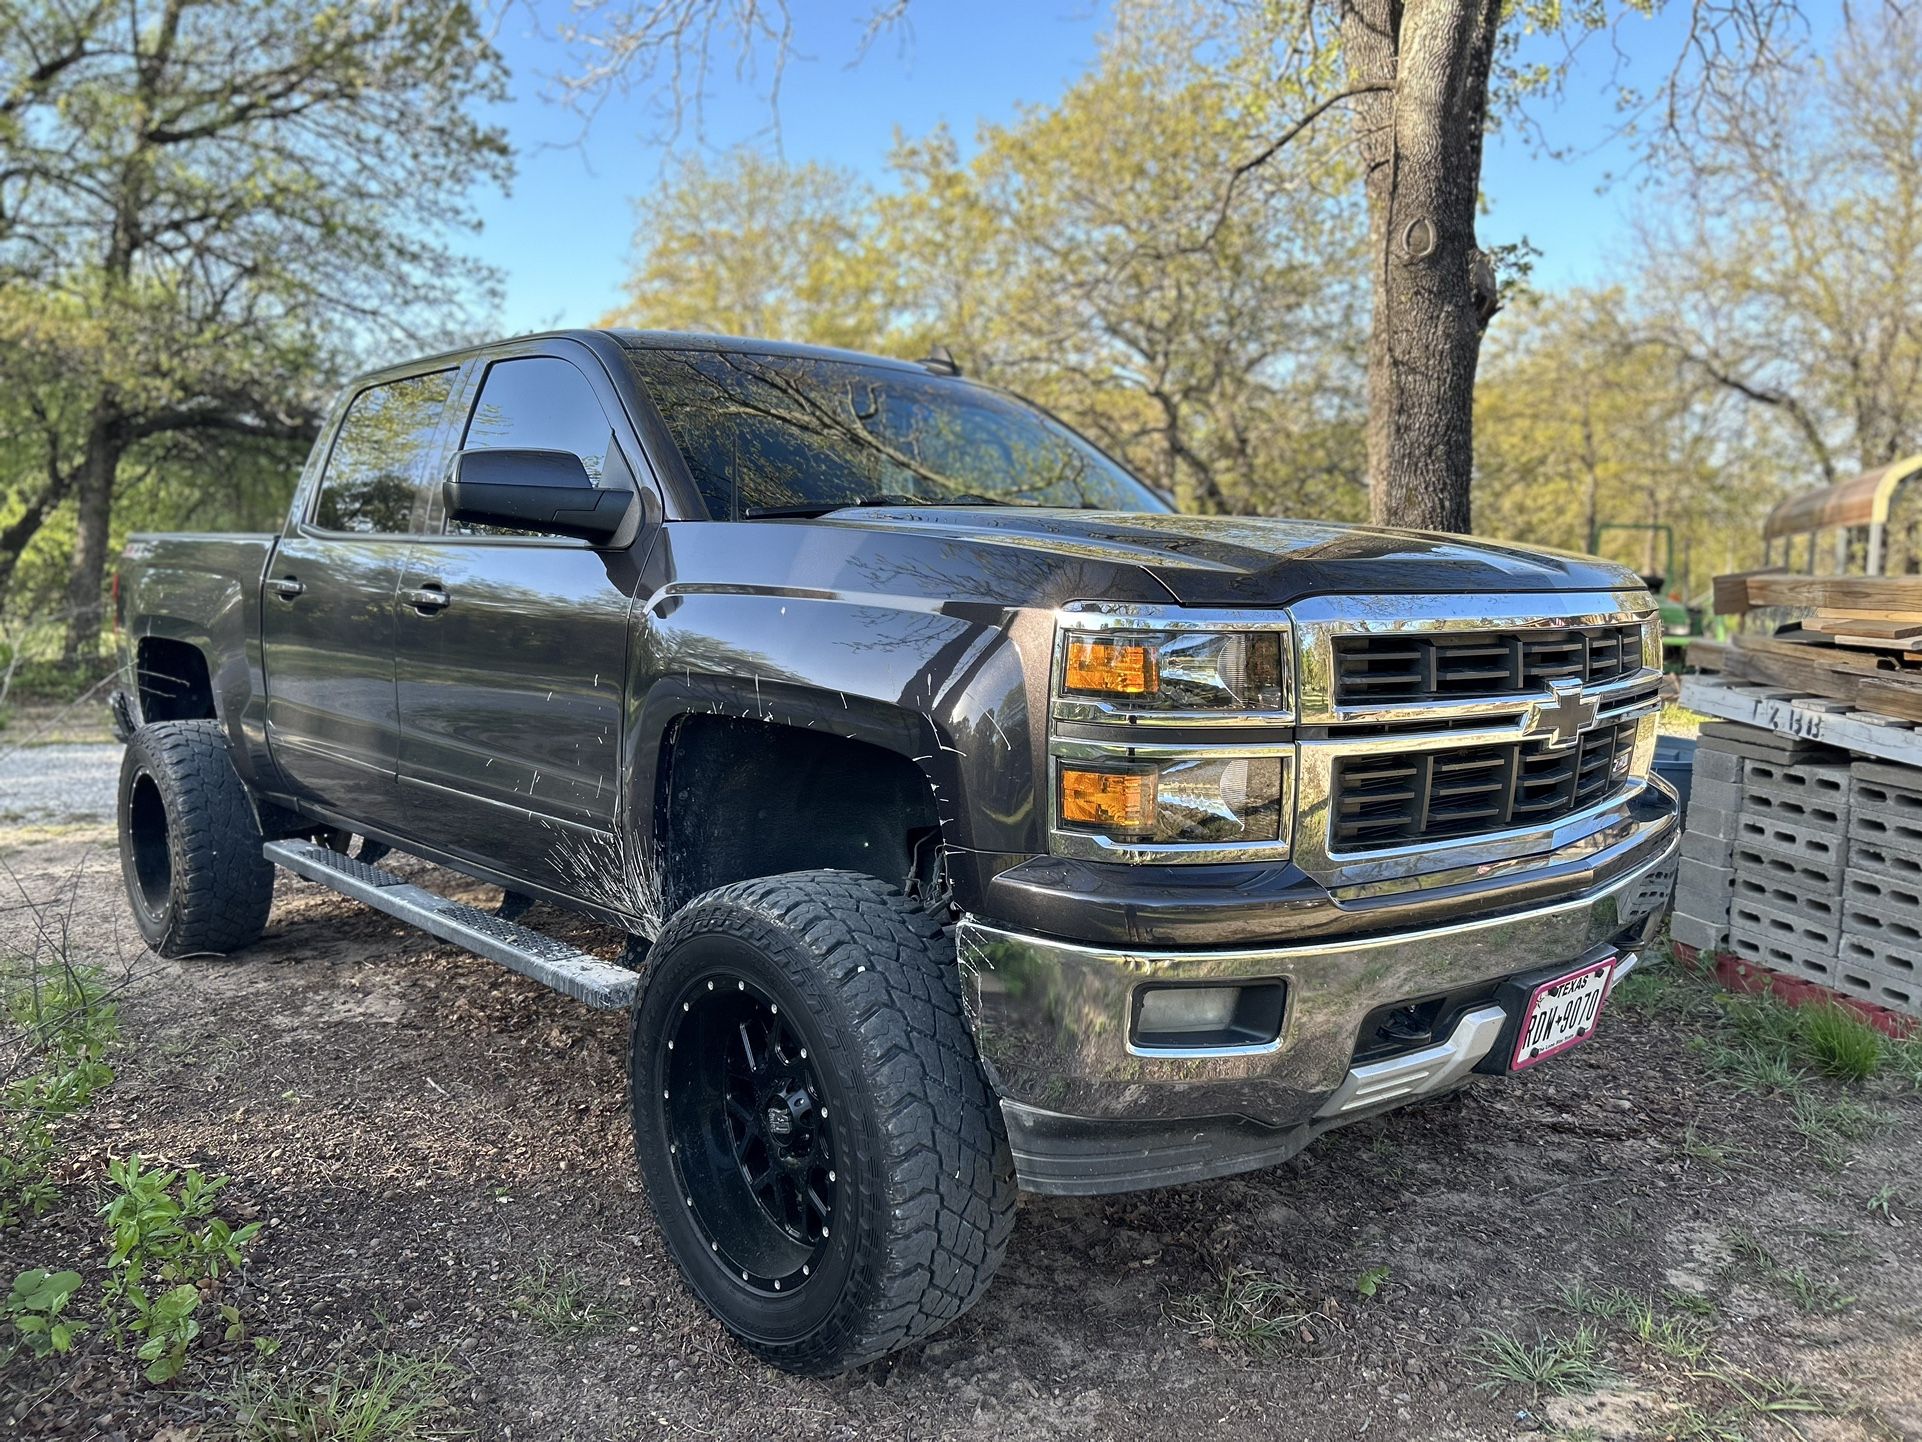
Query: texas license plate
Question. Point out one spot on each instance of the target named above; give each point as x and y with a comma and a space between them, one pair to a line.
1561, 1013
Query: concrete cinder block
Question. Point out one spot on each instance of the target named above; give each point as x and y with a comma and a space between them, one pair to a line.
1704, 890
1715, 795
1782, 956
1890, 774
1899, 862
1881, 810
1829, 784
1713, 764
1808, 935
1888, 976
1695, 931
1760, 744
1818, 845
1884, 909
1791, 900
1706, 821
1825, 806
1711, 850
1786, 868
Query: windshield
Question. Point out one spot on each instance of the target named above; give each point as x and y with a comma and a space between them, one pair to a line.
766, 434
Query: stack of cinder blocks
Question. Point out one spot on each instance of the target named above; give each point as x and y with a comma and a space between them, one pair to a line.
1880, 955
1762, 849
1704, 881
1785, 907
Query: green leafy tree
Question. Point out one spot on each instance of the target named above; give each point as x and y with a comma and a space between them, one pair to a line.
207, 206
1578, 424
754, 247
1419, 83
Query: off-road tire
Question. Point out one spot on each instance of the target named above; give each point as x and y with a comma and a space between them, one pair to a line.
917, 1129
190, 842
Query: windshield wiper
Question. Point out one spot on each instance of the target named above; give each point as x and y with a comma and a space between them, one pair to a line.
822, 508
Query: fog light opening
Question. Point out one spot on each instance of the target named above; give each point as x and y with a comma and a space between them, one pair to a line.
1175, 1017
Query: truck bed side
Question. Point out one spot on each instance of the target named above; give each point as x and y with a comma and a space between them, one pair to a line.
190, 636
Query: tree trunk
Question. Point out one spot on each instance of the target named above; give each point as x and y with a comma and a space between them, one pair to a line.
1421, 145
20, 531
93, 494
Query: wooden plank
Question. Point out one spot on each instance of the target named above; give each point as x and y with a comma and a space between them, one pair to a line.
1706, 655
1897, 647
1863, 627
1892, 741
1816, 650
1731, 591
1812, 671
1838, 593
1867, 613
1891, 698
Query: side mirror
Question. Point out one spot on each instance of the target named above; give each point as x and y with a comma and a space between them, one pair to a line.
545, 491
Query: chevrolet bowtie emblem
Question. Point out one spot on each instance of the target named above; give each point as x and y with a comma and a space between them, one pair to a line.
1561, 719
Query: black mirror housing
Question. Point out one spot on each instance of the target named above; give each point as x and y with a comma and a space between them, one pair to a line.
525, 490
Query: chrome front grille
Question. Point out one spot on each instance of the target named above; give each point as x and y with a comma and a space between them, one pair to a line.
1380, 668
1403, 799
1441, 737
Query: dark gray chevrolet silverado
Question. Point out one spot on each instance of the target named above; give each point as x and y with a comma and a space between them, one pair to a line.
977, 821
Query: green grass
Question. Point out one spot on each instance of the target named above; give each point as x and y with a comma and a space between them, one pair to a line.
555, 1299
1751, 1258
392, 1399
1248, 1312
1556, 1365
1840, 1043
1884, 1199
1832, 1125
1687, 1337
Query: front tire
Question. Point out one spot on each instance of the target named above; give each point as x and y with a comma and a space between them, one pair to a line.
190, 842
821, 1146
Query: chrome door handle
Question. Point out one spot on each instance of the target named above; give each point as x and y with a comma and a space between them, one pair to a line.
426, 598
286, 587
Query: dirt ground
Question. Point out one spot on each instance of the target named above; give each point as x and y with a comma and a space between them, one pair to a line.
432, 1141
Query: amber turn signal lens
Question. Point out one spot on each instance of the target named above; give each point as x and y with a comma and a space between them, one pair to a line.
1113, 800
1113, 666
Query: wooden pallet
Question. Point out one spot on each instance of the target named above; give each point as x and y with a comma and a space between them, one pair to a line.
1813, 718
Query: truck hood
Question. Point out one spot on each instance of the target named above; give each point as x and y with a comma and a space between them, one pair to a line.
1258, 560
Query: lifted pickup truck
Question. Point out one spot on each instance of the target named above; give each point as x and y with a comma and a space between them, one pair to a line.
977, 821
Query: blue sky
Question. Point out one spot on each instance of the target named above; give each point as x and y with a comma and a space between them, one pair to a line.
563, 238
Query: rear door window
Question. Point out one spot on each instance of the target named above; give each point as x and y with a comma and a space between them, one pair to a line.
384, 455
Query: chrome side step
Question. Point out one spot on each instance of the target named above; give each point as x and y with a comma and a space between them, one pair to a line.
567, 969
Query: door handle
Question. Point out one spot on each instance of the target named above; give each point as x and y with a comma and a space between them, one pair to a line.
427, 598
285, 587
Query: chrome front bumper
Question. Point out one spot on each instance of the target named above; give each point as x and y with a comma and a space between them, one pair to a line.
1052, 1017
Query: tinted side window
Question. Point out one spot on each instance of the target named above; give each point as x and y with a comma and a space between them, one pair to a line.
383, 454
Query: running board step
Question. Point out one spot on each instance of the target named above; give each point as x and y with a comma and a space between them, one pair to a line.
567, 969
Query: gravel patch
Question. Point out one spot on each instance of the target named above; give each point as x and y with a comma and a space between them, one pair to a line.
58, 783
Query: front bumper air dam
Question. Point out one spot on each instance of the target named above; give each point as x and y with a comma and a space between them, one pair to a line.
1089, 1112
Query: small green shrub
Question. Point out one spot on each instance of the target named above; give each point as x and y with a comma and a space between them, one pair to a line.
67, 1024
37, 1310
166, 1243
1840, 1043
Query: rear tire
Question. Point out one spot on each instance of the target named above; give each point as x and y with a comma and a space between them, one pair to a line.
822, 1148
190, 842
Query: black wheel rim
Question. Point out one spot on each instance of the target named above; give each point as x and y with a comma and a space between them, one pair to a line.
153, 868
749, 1133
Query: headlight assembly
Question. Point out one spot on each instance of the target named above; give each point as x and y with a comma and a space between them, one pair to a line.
1127, 782
1184, 671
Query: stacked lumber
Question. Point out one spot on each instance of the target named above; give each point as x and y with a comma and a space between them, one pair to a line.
1859, 642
